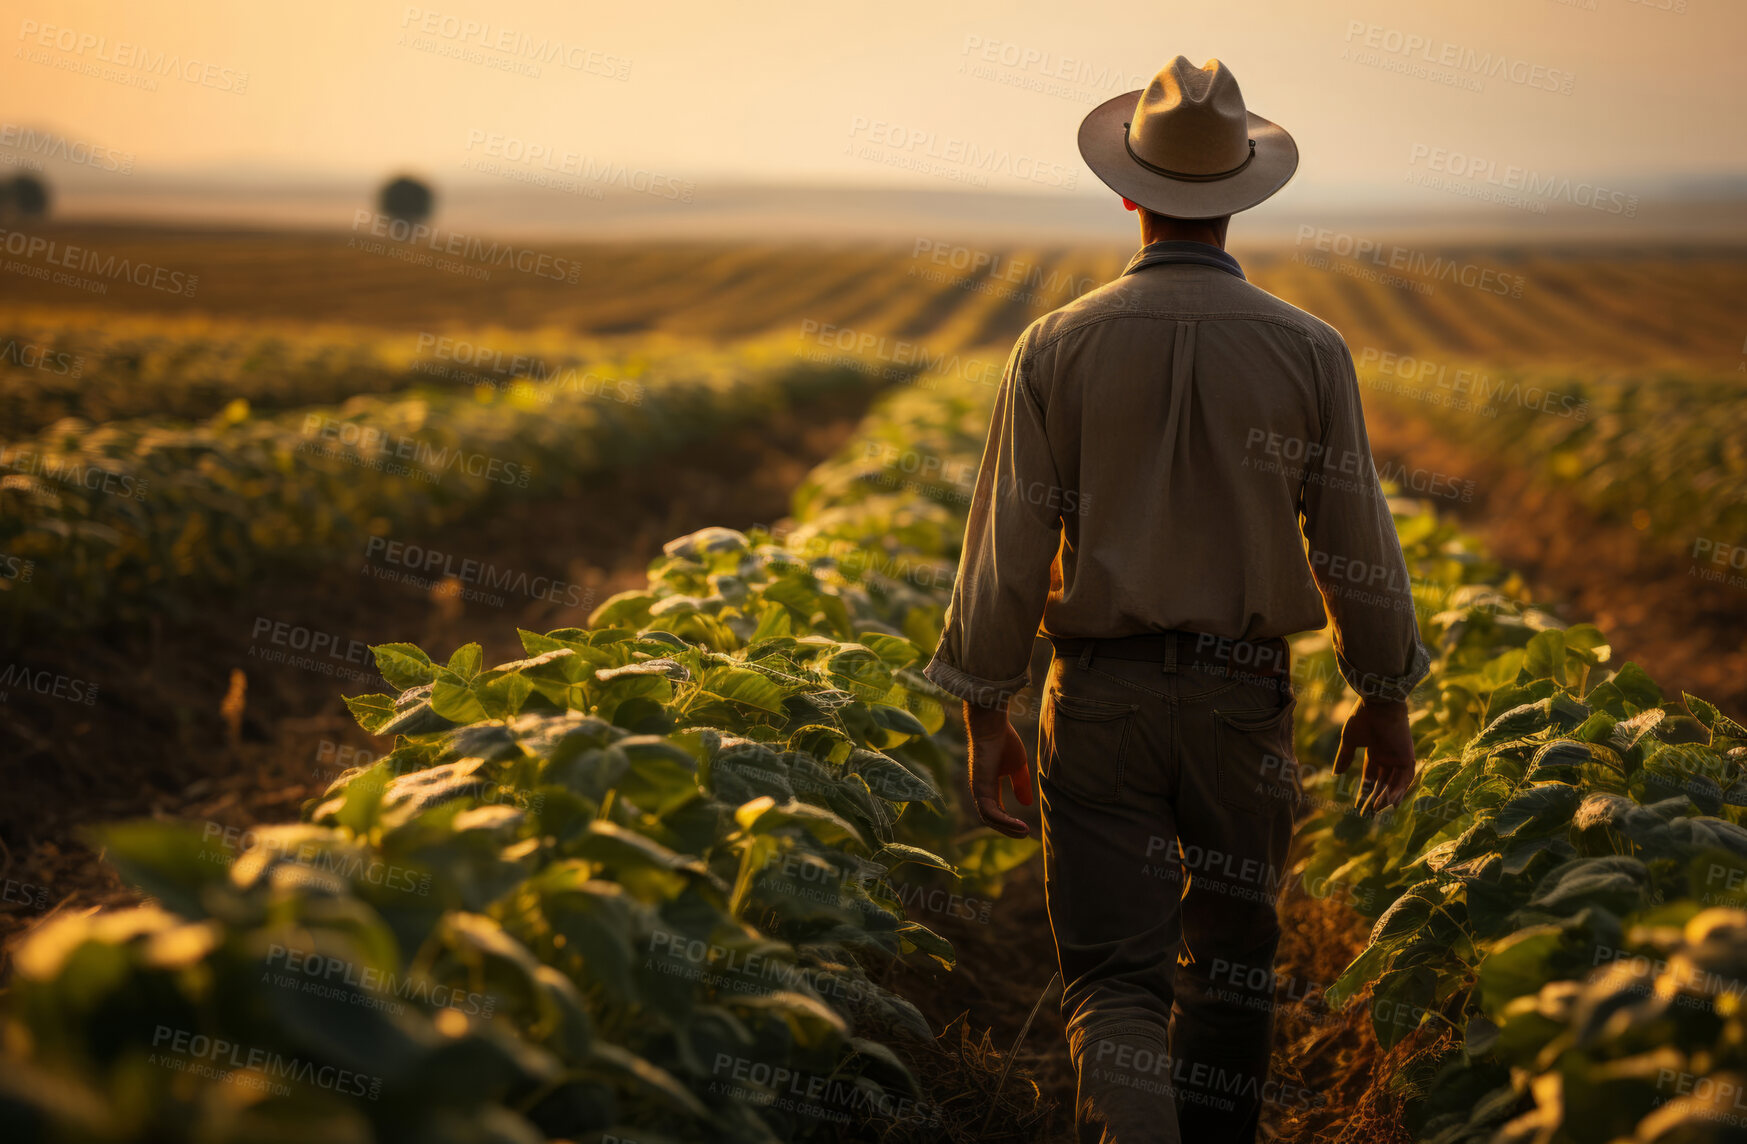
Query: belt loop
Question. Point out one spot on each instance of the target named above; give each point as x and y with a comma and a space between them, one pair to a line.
1170, 653
1086, 653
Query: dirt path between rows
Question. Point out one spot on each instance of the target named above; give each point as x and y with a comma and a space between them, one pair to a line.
158, 741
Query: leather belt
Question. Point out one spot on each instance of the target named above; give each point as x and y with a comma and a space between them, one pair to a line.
1218, 655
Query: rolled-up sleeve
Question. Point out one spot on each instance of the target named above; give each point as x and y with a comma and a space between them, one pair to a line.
1010, 543
1354, 551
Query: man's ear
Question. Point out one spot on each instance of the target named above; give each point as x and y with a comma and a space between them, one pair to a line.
1133, 206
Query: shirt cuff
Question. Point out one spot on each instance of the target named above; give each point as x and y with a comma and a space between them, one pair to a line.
1389, 688
978, 692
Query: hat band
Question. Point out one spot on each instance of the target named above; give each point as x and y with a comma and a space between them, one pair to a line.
1185, 176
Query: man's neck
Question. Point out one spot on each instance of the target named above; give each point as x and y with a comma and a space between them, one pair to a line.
1209, 231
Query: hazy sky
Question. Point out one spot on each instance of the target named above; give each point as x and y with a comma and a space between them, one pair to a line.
930, 93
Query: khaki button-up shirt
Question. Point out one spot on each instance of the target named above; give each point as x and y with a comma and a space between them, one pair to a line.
1178, 450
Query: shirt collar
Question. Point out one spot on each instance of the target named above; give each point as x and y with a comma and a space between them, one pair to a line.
1183, 250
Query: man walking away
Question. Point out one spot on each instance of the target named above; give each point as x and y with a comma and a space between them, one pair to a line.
1177, 476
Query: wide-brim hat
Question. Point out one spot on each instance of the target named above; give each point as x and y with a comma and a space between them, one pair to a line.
1185, 145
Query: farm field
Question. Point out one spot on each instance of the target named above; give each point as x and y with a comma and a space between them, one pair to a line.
1600, 306
1570, 800
1597, 377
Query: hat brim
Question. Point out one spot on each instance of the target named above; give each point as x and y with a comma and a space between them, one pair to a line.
1103, 145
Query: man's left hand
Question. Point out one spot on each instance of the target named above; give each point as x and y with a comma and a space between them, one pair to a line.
997, 751
1382, 729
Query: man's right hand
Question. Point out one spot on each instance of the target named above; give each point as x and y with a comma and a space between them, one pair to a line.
1380, 728
996, 752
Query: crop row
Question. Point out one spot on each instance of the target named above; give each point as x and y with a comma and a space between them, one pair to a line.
57, 364
100, 522
1663, 452
1448, 303
639, 883
1559, 949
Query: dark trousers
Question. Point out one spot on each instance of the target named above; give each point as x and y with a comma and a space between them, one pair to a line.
1169, 793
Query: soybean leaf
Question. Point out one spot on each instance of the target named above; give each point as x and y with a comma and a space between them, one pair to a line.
466, 660
371, 711
404, 665
1538, 809
915, 935
1520, 963
897, 853
743, 686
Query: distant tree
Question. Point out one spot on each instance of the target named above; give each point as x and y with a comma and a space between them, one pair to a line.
25, 196
407, 199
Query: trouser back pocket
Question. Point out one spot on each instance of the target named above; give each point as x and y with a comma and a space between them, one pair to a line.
1256, 770
1086, 742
